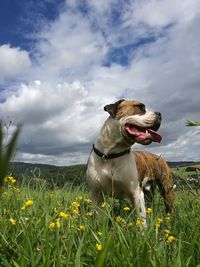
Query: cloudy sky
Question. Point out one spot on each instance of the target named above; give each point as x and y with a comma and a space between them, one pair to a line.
62, 61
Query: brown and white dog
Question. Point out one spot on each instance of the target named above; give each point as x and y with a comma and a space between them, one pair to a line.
114, 170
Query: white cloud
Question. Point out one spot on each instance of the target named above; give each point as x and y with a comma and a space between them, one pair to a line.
63, 111
13, 61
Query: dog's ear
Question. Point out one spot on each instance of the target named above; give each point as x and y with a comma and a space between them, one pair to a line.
112, 108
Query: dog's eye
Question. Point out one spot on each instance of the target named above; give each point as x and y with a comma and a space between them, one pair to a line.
141, 106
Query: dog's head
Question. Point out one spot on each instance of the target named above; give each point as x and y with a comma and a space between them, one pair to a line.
137, 124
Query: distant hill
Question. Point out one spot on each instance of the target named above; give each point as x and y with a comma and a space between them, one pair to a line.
58, 176
176, 164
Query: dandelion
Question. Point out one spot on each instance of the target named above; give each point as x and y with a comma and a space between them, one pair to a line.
149, 210
75, 211
87, 200
79, 198
98, 247
167, 232
75, 204
139, 222
126, 209
12, 221
9, 180
82, 228
159, 221
54, 225
88, 214
120, 219
170, 239
27, 204
103, 205
99, 233
63, 215
168, 218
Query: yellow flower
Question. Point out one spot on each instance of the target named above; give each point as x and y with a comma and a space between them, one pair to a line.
12, 221
126, 209
120, 219
75, 204
171, 238
63, 215
159, 221
54, 225
139, 222
27, 204
79, 198
149, 210
9, 180
168, 218
99, 233
87, 200
167, 232
98, 247
75, 211
103, 205
82, 228
88, 214
131, 224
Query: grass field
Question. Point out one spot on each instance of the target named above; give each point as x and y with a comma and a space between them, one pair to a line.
59, 227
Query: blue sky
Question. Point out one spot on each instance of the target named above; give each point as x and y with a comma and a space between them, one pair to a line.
62, 61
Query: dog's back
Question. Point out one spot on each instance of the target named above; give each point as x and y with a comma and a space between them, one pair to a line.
153, 170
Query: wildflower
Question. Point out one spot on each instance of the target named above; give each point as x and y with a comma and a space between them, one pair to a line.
139, 222
63, 215
79, 198
159, 221
120, 219
131, 224
82, 228
12, 221
88, 214
27, 204
75, 211
103, 205
170, 239
98, 247
99, 233
10, 180
167, 232
75, 204
168, 218
87, 200
54, 225
149, 210
126, 209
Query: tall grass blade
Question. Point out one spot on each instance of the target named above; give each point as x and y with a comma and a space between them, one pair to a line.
7, 152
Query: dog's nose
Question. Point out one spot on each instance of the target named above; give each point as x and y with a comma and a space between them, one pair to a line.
158, 114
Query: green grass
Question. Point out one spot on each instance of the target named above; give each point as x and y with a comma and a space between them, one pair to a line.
28, 239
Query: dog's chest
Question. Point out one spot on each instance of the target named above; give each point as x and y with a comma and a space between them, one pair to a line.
116, 177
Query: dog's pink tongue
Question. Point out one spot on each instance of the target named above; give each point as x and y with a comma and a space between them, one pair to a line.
156, 136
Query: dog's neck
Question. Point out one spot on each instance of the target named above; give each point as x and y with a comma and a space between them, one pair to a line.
110, 139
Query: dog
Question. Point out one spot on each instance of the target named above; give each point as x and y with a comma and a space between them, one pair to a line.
113, 169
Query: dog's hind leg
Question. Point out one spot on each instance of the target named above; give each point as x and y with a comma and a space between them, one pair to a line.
166, 188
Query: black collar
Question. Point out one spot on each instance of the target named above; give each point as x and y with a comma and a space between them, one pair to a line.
111, 155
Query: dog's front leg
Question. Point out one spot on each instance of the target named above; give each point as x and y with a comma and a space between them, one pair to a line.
97, 199
137, 198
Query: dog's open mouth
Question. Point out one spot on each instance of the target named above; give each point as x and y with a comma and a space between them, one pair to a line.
142, 134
